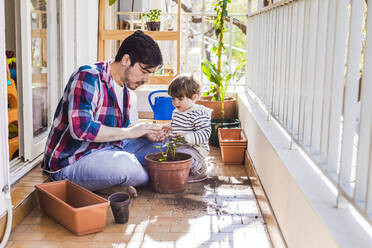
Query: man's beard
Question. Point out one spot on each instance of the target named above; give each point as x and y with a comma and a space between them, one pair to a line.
128, 84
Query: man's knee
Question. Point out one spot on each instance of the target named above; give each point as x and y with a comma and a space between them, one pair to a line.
130, 170
142, 179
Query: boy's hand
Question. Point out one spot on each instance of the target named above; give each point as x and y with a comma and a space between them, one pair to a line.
187, 136
166, 128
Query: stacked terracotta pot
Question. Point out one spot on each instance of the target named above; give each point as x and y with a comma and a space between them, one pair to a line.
233, 144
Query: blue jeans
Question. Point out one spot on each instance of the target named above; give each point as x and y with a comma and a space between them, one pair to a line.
110, 166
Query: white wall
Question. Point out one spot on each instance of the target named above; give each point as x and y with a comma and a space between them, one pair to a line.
87, 31
79, 31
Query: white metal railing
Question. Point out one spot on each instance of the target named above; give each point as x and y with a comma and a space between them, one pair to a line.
203, 39
306, 62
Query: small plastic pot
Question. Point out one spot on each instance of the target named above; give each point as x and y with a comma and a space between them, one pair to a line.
119, 203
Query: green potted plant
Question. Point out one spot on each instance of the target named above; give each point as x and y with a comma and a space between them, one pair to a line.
169, 169
152, 19
215, 73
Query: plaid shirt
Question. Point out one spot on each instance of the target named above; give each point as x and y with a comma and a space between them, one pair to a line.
88, 102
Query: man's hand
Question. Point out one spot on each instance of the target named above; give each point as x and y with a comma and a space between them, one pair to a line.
153, 132
160, 136
155, 138
147, 129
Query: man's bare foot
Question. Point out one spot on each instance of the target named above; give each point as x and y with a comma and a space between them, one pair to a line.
132, 191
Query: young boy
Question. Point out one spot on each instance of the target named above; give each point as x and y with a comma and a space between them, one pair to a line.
192, 121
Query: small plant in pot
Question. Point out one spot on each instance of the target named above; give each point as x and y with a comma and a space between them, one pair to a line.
152, 19
220, 78
169, 169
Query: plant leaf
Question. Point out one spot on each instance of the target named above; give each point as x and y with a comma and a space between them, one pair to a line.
111, 2
211, 72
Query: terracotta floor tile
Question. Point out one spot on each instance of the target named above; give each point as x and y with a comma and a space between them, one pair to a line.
172, 220
225, 237
23, 190
225, 220
219, 212
140, 211
258, 239
204, 229
48, 228
21, 228
36, 213
112, 227
137, 236
9, 244
59, 237
163, 236
141, 201
36, 244
161, 212
161, 227
135, 228
106, 237
26, 236
41, 219
180, 227
138, 219
146, 244
90, 244
187, 240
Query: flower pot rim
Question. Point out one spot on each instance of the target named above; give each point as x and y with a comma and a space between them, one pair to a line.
223, 121
226, 141
127, 201
147, 157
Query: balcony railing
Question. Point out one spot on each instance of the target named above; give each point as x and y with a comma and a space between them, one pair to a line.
310, 63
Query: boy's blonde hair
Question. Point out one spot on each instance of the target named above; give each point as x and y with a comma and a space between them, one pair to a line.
184, 85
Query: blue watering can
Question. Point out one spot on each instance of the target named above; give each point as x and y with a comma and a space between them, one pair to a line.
162, 107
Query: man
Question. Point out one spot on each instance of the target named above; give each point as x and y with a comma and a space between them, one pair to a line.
90, 132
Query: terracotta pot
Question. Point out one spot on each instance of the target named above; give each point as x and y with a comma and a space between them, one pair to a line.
221, 123
233, 144
230, 107
74, 207
168, 176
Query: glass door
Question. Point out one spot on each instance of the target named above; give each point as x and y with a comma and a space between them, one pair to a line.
38, 46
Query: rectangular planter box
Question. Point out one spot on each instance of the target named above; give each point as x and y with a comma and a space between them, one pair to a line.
233, 144
233, 154
74, 207
232, 136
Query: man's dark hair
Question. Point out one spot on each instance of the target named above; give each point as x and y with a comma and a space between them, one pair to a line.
184, 85
141, 48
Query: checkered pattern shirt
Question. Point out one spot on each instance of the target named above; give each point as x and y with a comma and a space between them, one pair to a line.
88, 102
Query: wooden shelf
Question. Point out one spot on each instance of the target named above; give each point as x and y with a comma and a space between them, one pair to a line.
120, 34
160, 79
